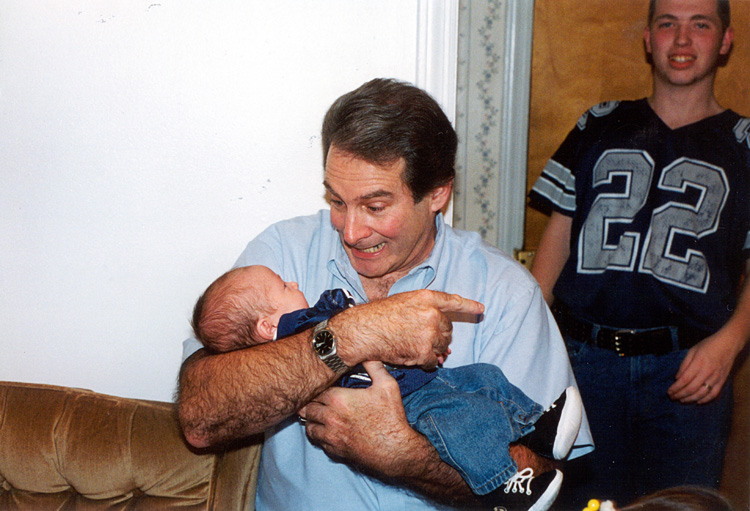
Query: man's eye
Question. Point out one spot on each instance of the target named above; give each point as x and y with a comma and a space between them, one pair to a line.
375, 209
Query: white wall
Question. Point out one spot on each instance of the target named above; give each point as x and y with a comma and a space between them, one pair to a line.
143, 143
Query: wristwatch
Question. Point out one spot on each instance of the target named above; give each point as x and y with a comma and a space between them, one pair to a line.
324, 345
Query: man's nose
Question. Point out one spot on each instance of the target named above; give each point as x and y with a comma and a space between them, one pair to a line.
294, 285
355, 228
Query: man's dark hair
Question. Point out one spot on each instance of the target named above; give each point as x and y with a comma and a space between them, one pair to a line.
722, 7
384, 120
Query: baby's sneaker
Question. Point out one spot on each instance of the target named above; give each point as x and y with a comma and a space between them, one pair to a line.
557, 428
523, 491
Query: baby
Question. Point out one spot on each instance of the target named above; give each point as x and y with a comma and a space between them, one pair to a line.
471, 414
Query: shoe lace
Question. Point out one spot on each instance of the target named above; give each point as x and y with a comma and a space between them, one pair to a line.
515, 484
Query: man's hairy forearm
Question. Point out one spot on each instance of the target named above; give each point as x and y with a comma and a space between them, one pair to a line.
227, 396
237, 394
434, 478
442, 483
231, 395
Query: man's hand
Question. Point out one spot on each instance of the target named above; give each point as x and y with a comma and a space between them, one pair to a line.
367, 427
411, 328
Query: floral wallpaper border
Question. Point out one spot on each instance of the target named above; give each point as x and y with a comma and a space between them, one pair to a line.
494, 70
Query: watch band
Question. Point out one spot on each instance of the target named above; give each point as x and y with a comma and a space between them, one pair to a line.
335, 363
331, 359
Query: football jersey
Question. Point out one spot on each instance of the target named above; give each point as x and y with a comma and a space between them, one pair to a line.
661, 216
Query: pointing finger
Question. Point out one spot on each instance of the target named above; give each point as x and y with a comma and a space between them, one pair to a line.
453, 303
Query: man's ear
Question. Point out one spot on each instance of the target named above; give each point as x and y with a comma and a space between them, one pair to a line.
440, 196
266, 329
647, 39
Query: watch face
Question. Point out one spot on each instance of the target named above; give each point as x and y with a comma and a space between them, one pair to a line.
323, 343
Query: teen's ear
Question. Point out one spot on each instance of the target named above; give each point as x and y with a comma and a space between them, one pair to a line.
266, 329
726, 42
440, 196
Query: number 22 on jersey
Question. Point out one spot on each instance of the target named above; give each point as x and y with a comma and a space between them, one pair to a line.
689, 270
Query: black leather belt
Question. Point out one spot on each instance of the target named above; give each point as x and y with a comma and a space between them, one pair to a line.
626, 343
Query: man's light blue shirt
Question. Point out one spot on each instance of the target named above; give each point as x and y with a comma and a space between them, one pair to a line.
517, 333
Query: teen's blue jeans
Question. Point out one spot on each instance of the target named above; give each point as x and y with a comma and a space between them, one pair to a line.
471, 414
643, 440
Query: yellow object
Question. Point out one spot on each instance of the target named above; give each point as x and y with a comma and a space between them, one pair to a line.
593, 505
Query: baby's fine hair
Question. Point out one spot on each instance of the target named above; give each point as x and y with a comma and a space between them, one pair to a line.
226, 315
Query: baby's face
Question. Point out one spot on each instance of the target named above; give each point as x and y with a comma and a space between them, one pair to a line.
284, 295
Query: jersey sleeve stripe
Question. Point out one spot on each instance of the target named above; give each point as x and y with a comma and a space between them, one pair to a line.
562, 175
557, 185
553, 194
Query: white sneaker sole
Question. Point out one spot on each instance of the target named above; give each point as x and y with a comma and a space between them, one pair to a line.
548, 497
570, 423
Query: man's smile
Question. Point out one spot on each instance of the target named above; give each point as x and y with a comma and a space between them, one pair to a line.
371, 250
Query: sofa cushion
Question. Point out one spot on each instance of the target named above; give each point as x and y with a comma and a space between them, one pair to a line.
61, 445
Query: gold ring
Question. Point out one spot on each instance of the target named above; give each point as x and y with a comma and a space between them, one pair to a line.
709, 387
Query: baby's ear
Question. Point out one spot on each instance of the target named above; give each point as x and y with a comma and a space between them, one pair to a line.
266, 329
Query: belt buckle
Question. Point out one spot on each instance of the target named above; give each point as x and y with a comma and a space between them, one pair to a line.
620, 337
